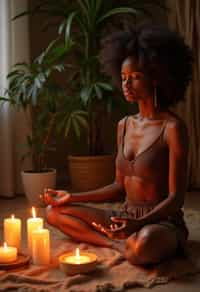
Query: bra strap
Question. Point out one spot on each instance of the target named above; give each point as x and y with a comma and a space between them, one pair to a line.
163, 130
124, 132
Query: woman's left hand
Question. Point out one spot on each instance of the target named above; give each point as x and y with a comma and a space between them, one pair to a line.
55, 197
120, 228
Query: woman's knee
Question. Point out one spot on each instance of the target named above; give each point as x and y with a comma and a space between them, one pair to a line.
144, 247
136, 249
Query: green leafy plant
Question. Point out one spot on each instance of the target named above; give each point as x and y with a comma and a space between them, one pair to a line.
32, 88
81, 24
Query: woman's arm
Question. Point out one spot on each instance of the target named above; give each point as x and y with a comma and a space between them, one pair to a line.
60, 197
110, 192
177, 140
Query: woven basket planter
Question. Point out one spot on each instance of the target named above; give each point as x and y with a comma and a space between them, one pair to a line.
91, 172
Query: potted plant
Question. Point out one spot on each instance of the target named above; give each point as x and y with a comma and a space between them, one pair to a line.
32, 88
82, 22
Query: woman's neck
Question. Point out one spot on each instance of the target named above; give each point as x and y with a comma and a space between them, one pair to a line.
147, 109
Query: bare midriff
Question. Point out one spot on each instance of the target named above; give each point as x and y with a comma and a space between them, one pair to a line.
140, 191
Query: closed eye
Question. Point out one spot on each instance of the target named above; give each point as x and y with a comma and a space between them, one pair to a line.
137, 76
132, 77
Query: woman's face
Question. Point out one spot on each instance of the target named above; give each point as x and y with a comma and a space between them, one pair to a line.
135, 84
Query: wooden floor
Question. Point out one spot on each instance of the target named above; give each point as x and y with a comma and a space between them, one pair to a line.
189, 284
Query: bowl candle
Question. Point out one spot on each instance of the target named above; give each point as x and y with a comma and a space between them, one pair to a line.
8, 254
78, 262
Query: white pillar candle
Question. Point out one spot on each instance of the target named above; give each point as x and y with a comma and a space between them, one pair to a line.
12, 231
8, 254
33, 224
41, 247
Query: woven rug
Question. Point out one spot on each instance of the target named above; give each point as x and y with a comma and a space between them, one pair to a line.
113, 272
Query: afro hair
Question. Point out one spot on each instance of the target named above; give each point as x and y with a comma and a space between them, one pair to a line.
160, 53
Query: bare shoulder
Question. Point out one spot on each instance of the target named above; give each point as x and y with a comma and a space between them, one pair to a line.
120, 129
122, 121
121, 125
176, 132
175, 124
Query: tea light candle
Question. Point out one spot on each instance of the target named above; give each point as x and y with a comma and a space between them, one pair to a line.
12, 231
8, 254
33, 224
78, 263
40, 247
77, 258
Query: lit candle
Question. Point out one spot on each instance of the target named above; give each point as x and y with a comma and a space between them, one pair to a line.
78, 263
8, 254
77, 258
33, 224
41, 247
12, 231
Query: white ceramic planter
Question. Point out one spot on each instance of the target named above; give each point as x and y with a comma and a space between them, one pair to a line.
35, 183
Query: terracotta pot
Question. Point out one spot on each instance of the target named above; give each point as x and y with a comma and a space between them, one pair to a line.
91, 172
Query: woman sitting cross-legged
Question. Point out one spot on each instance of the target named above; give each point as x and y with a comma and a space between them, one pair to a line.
153, 66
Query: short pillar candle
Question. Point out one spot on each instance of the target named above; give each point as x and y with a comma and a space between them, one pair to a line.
12, 231
41, 247
8, 254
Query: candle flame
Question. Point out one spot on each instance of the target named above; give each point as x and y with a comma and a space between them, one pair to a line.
12, 216
77, 254
33, 212
5, 245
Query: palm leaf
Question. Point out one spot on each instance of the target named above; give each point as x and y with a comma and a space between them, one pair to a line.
98, 91
82, 121
118, 11
105, 86
76, 128
66, 25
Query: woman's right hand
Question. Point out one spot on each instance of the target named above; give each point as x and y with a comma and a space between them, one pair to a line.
56, 197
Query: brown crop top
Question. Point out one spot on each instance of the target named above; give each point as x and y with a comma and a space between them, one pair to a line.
151, 163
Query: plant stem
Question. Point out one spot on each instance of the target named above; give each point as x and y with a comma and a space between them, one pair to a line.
46, 140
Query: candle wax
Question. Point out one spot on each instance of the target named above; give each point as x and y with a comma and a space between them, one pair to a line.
41, 247
12, 231
32, 225
73, 259
8, 254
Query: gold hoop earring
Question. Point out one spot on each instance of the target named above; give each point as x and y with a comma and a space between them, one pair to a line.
155, 101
